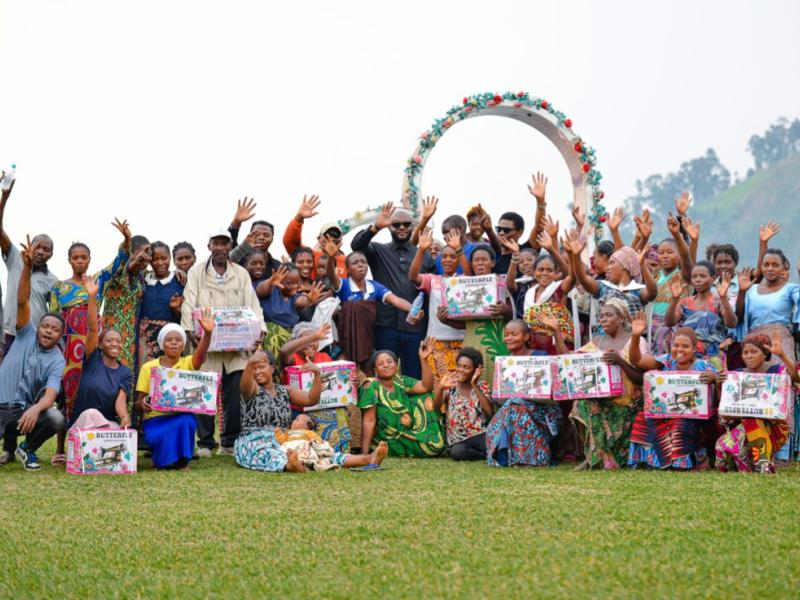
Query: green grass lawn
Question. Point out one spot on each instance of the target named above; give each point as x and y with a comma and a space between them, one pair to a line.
419, 528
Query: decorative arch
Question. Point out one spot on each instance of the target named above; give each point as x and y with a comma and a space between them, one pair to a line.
534, 112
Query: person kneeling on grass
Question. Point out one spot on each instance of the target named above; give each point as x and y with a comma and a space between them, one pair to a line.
317, 454
171, 435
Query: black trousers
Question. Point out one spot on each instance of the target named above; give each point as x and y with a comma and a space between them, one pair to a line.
473, 448
231, 415
47, 425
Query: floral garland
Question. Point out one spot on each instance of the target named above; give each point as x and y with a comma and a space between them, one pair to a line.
470, 107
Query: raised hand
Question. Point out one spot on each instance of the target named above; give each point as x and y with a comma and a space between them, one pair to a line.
724, 285
768, 231
310, 367
510, 245
676, 288
579, 215
28, 251
385, 216
453, 239
644, 224
683, 202
673, 224
447, 381
207, 321
429, 206
308, 207
323, 332
639, 324
90, 285
745, 279
330, 246
426, 240
551, 227
245, 210
315, 292
543, 239
426, 348
175, 302
575, 242
278, 275
476, 376
550, 322
775, 345
124, 229
486, 220
692, 228
538, 186
616, 218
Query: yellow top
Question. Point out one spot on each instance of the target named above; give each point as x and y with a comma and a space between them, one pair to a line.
143, 383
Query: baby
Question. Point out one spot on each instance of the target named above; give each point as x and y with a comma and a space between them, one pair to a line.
312, 451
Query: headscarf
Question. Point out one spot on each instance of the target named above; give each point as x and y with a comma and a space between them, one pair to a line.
301, 329
166, 330
619, 306
629, 259
761, 342
652, 252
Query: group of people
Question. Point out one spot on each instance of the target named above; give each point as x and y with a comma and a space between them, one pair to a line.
79, 352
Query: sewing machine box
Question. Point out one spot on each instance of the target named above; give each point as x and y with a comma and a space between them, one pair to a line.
471, 297
338, 383
757, 395
174, 390
578, 376
528, 377
236, 328
101, 451
676, 395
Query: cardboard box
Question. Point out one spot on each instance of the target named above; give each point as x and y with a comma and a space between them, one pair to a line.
471, 297
101, 451
676, 395
338, 383
757, 395
578, 376
174, 390
528, 377
237, 328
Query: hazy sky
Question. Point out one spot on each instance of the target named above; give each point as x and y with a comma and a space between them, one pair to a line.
166, 112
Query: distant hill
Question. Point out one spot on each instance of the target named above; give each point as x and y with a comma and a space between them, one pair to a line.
735, 215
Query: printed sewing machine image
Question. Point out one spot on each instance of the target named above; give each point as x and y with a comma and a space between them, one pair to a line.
587, 379
530, 382
751, 389
683, 401
328, 379
110, 455
193, 396
473, 299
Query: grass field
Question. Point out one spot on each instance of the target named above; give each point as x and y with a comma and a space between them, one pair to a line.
416, 529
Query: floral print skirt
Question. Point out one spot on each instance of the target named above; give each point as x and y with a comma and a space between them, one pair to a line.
521, 433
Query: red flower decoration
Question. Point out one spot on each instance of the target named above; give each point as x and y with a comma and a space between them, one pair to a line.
578, 147
602, 195
544, 104
520, 94
498, 99
568, 123
603, 218
586, 167
468, 109
517, 104
464, 101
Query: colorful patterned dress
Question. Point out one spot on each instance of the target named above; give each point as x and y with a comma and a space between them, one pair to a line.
70, 300
154, 313
408, 424
122, 296
256, 447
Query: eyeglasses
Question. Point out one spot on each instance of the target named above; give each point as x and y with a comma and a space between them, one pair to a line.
401, 225
499, 229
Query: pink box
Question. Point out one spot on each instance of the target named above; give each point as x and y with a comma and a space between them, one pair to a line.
528, 377
471, 297
338, 383
174, 390
676, 395
582, 375
236, 328
757, 395
101, 451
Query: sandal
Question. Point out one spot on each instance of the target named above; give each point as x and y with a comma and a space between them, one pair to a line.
58, 459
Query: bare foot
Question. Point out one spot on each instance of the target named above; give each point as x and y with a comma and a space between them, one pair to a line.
584, 466
380, 453
294, 465
186, 468
609, 464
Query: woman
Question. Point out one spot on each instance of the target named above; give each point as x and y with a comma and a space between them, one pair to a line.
522, 431
665, 443
399, 410
607, 423
184, 257
105, 382
170, 436
265, 407
772, 307
750, 444
332, 422
161, 301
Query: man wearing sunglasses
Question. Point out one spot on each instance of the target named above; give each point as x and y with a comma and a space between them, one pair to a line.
293, 236
389, 264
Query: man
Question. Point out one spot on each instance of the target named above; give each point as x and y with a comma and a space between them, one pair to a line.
219, 282
30, 376
260, 237
42, 279
389, 264
293, 236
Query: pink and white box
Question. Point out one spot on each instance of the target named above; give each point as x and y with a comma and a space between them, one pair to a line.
577, 376
471, 297
757, 395
338, 383
101, 451
174, 390
528, 377
236, 328
676, 395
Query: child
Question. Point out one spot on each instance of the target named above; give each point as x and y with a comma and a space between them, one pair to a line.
183, 256
317, 454
161, 301
469, 406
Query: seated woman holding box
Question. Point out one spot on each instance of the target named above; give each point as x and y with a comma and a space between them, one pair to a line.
171, 435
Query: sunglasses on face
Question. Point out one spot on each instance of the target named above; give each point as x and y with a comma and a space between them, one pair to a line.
403, 224
499, 229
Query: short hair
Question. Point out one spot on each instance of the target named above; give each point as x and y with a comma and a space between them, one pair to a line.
516, 218
521, 322
106, 331
270, 356
159, 244
728, 249
777, 252
472, 354
374, 358
708, 265
528, 250
137, 241
606, 248
182, 246
42, 236
264, 223
56, 316
543, 257
485, 248
255, 252
351, 255
75, 246
454, 222
302, 250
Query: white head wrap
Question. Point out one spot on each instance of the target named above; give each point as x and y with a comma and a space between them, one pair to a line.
166, 330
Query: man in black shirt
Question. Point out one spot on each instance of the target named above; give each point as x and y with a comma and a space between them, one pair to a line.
389, 264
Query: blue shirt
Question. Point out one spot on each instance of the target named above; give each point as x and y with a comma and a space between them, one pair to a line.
100, 385
28, 369
374, 291
279, 309
468, 247
157, 296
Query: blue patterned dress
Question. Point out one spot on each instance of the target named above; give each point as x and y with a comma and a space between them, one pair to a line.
256, 447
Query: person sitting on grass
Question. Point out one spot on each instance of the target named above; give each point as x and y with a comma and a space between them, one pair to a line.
317, 454
265, 408
399, 409
469, 406
30, 377
170, 435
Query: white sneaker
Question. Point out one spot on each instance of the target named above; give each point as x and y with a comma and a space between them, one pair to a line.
223, 451
204, 453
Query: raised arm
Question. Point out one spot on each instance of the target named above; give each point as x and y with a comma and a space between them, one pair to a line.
331, 248
292, 347
614, 221
674, 227
363, 238
765, 234
91, 316
548, 239
453, 239
574, 245
674, 312
728, 313
293, 236
426, 384
488, 229
245, 210
424, 245
247, 384
207, 323
746, 277
511, 274
5, 241
24, 289
311, 397
638, 327
275, 280
644, 229
777, 349
552, 324
429, 205
538, 189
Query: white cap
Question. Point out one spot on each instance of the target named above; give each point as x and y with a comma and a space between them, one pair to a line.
221, 232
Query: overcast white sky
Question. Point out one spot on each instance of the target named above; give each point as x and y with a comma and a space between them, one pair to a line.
166, 112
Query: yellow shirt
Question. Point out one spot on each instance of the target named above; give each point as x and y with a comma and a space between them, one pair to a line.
143, 383
295, 435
